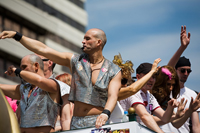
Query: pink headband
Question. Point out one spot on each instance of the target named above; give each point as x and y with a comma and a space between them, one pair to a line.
167, 72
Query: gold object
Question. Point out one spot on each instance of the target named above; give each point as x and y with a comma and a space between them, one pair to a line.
127, 67
8, 120
131, 110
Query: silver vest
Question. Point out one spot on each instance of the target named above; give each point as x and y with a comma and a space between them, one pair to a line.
81, 87
39, 109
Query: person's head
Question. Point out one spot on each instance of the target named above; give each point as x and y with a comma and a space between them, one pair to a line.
48, 66
183, 69
94, 40
32, 63
166, 81
141, 71
65, 77
127, 69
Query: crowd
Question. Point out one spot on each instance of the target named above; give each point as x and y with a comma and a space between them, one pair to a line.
98, 91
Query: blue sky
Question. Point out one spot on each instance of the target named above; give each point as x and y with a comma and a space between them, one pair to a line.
143, 30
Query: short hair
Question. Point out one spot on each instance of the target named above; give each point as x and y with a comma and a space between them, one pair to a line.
102, 36
36, 59
53, 66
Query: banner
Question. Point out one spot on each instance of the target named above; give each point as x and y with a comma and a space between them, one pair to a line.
132, 127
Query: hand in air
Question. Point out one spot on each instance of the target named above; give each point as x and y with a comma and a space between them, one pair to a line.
11, 71
195, 104
180, 111
185, 39
173, 103
155, 64
7, 34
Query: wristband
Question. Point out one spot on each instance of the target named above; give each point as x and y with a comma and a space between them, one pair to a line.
17, 72
17, 36
107, 112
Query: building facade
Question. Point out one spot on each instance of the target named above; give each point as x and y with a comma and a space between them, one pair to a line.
60, 24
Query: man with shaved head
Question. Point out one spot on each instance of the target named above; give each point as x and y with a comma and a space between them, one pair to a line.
95, 80
40, 98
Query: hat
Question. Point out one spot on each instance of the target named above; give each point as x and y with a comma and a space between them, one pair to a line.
144, 68
182, 62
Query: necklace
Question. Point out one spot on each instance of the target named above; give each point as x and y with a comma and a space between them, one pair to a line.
99, 61
96, 64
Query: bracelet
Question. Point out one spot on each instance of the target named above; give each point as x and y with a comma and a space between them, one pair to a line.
17, 72
17, 36
107, 112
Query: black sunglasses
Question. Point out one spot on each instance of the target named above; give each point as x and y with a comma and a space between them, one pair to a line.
45, 59
183, 70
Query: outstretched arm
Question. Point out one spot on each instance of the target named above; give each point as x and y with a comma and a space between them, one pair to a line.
113, 90
185, 40
126, 92
11, 91
48, 85
40, 48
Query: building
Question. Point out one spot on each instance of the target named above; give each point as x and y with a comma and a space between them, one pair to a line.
60, 24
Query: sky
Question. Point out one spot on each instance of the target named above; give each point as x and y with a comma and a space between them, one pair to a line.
144, 30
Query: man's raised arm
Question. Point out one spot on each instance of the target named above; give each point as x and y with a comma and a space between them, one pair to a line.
11, 91
39, 48
185, 40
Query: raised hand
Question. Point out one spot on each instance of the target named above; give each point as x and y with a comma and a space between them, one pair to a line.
11, 71
173, 103
195, 104
155, 64
185, 39
7, 34
180, 111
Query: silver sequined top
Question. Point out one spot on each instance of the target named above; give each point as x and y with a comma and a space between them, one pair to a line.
81, 87
39, 109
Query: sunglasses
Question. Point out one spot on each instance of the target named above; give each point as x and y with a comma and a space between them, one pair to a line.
45, 59
182, 70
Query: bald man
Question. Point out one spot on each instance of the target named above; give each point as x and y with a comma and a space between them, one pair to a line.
95, 80
40, 98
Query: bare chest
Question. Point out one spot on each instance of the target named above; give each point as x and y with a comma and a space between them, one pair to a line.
95, 70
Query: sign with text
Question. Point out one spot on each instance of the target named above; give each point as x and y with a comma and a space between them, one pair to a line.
127, 127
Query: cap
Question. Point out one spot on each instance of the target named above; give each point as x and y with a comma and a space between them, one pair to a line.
144, 68
183, 62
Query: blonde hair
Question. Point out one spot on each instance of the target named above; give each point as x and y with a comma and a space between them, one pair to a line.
127, 67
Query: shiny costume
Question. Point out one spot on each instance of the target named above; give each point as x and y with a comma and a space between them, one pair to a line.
82, 89
39, 109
